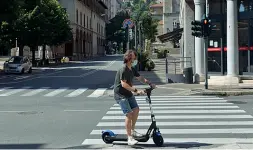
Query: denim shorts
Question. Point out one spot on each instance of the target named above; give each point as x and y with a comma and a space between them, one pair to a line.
127, 104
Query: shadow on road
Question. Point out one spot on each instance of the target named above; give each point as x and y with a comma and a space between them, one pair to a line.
21, 146
184, 145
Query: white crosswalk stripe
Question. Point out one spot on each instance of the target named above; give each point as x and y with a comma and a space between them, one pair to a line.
76, 92
202, 119
34, 92
14, 91
97, 93
52, 92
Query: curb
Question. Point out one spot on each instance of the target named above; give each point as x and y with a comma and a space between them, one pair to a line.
223, 93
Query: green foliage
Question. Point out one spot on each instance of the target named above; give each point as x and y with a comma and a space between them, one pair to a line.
114, 31
35, 22
162, 52
150, 64
141, 12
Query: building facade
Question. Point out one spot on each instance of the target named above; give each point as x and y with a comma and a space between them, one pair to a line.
230, 45
167, 12
88, 19
116, 5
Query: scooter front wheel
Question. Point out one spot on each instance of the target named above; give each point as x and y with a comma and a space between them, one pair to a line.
105, 138
158, 139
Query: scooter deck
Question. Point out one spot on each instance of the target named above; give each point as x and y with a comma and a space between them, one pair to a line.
119, 137
122, 137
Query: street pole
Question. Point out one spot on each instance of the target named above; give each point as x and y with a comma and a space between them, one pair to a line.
135, 35
127, 30
206, 50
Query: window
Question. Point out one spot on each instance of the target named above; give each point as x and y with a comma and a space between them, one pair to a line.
81, 18
84, 20
87, 22
77, 16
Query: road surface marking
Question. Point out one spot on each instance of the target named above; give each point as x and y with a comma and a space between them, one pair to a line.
204, 123
55, 92
184, 98
180, 107
5, 88
183, 112
183, 104
13, 111
34, 92
181, 141
19, 78
14, 91
98, 92
79, 110
211, 116
187, 101
183, 131
169, 96
76, 92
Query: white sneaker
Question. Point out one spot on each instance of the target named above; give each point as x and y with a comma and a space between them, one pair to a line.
131, 141
136, 134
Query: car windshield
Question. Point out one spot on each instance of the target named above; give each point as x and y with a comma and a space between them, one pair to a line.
15, 60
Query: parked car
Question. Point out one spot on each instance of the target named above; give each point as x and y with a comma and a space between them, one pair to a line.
18, 64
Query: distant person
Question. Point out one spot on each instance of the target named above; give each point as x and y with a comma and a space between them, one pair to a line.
123, 88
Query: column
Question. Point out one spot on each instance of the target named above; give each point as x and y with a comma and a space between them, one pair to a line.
232, 39
188, 39
199, 43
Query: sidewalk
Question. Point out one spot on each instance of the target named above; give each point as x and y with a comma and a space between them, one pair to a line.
158, 77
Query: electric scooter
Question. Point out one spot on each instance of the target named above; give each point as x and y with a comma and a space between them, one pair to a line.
109, 137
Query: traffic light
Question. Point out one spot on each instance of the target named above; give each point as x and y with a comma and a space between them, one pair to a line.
207, 27
197, 29
130, 34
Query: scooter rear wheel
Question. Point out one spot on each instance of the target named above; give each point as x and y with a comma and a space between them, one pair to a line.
104, 137
158, 139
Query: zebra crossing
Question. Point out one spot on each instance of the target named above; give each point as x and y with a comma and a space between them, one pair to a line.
182, 120
52, 92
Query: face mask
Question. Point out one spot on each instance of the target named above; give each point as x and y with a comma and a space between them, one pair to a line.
134, 63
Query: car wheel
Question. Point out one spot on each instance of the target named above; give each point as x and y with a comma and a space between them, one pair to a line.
30, 70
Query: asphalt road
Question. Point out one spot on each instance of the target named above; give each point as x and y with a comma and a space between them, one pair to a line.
69, 106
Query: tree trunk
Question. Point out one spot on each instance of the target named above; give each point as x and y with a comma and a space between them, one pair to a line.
21, 49
44, 53
33, 55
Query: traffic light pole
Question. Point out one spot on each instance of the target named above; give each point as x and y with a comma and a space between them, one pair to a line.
206, 50
127, 30
206, 61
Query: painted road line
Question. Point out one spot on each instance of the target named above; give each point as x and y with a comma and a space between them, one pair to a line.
178, 96
80, 110
183, 131
211, 116
182, 112
98, 92
183, 104
5, 88
55, 92
76, 92
34, 92
188, 101
184, 98
180, 107
23, 77
181, 141
202, 123
14, 91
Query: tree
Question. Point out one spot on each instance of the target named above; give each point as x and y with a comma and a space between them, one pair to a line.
42, 22
114, 30
8, 14
141, 12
